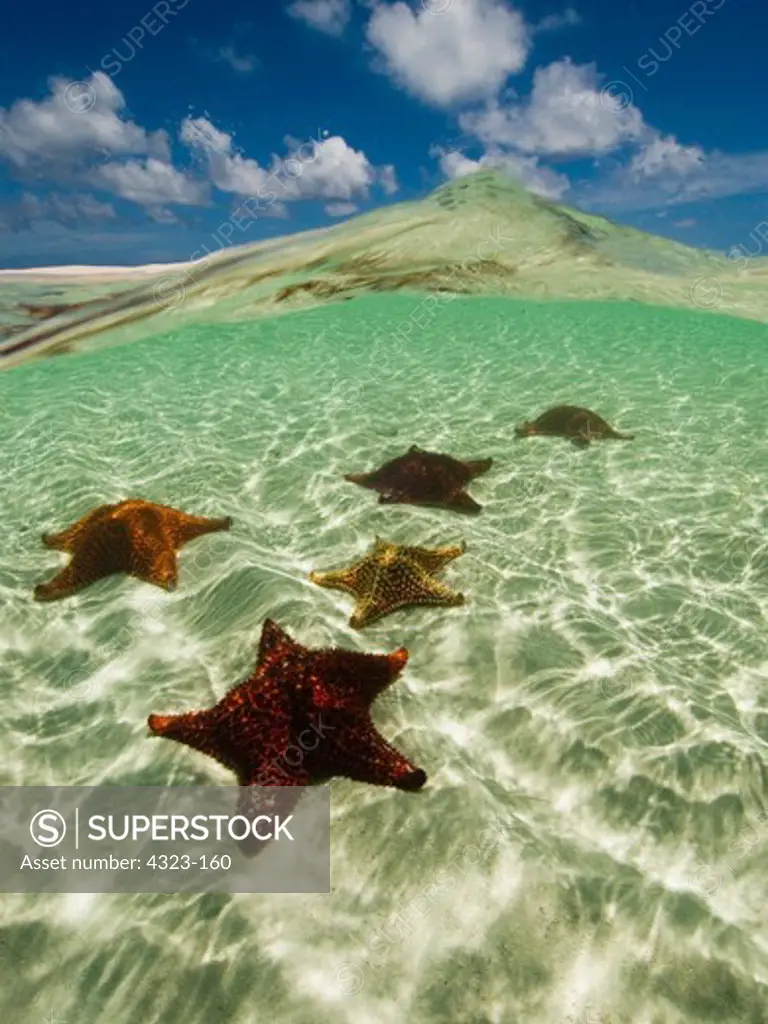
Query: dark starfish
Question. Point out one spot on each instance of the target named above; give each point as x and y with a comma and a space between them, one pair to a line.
303, 716
572, 421
391, 576
134, 536
424, 478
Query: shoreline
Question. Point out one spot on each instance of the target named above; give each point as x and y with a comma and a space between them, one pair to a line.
91, 273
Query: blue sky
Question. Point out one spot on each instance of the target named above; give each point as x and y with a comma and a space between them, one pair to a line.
130, 132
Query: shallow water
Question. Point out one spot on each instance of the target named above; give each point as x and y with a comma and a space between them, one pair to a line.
599, 702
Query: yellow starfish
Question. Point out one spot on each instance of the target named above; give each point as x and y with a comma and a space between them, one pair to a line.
391, 576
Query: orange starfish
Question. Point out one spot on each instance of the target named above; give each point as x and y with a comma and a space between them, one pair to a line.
136, 537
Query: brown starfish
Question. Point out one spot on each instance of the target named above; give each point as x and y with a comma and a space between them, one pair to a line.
391, 576
424, 478
303, 716
572, 421
134, 536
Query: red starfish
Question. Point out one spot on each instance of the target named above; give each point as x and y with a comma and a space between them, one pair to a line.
302, 717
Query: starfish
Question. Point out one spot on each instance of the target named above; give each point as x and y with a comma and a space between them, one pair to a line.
391, 576
134, 536
424, 478
303, 716
581, 425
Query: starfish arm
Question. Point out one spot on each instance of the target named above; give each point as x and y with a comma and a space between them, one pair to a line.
103, 550
434, 559
195, 729
68, 582
352, 680
367, 610
477, 467
362, 479
338, 579
357, 751
463, 502
184, 528
64, 541
435, 592
155, 562
274, 641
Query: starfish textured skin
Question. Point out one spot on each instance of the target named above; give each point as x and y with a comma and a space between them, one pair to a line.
136, 537
392, 576
424, 478
260, 726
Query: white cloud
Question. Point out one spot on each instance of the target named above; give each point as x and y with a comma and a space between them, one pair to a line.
326, 169
674, 174
67, 136
336, 172
553, 22
454, 164
54, 208
76, 207
388, 179
687, 222
567, 113
161, 215
78, 135
663, 155
464, 53
149, 182
526, 170
228, 170
328, 16
340, 209
243, 64
78, 119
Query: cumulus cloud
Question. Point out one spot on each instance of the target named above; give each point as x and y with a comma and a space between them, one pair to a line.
340, 209
79, 135
337, 171
567, 113
328, 16
149, 182
228, 170
69, 210
464, 53
663, 155
648, 181
319, 169
77, 120
526, 170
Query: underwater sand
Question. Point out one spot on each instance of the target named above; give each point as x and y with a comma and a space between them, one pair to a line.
600, 702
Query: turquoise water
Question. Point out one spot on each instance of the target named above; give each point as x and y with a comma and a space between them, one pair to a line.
600, 701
